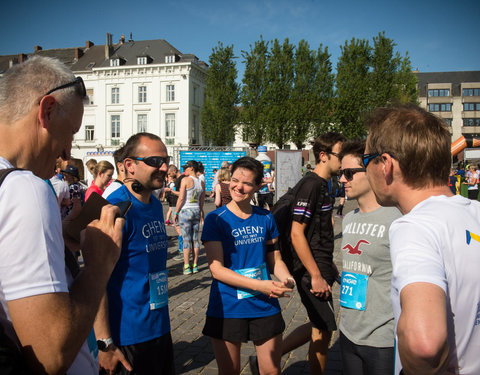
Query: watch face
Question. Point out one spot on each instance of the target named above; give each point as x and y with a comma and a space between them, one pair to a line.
101, 345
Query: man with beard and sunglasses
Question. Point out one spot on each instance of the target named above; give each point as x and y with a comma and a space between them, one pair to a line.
134, 328
366, 320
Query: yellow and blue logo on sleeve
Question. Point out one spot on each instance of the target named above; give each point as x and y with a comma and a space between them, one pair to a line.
471, 236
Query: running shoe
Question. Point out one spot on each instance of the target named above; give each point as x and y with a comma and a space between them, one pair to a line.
187, 270
195, 268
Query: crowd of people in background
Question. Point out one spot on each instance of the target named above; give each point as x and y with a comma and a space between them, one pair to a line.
409, 298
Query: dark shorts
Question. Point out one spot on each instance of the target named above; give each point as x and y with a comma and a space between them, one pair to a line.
150, 357
244, 329
319, 310
365, 360
264, 199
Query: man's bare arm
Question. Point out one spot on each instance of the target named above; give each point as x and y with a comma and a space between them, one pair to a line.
52, 327
422, 329
302, 248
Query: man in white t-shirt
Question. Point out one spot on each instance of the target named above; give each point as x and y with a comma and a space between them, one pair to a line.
43, 310
435, 246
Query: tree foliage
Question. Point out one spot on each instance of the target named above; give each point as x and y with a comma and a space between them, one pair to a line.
280, 76
353, 87
219, 114
290, 93
252, 94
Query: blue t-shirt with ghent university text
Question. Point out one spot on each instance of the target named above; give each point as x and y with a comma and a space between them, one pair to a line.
144, 253
244, 247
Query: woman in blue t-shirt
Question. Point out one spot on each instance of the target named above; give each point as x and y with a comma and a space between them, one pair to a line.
239, 241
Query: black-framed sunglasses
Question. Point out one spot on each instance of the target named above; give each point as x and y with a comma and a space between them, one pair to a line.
334, 153
349, 172
78, 81
153, 161
367, 158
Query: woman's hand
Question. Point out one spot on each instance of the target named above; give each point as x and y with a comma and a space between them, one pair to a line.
275, 289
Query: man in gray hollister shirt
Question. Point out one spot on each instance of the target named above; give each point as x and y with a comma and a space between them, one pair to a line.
366, 321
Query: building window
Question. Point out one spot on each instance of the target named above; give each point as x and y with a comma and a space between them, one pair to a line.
440, 107
471, 106
170, 128
142, 94
89, 133
471, 92
115, 95
195, 93
114, 62
115, 122
448, 121
439, 92
471, 122
90, 96
170, 59
142, 123
170, 93
142, 60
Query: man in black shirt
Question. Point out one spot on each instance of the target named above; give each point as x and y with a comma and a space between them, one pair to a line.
314, 270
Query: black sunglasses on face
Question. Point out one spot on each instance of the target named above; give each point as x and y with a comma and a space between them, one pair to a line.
349, 172
154, 161
77, 81
334, 153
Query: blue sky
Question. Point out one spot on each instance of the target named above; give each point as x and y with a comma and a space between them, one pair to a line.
438, 35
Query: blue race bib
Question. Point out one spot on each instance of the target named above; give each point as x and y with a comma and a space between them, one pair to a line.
259, 273
353, 292
158, 289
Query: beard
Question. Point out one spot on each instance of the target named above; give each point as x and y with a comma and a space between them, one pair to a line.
156, 181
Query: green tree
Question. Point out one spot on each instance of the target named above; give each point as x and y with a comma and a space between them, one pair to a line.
219, 113
303, 101
280, 75
406, 82
383, 76
252, 93
323, 119
353, 87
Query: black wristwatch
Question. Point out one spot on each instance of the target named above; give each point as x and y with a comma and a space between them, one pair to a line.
103, 344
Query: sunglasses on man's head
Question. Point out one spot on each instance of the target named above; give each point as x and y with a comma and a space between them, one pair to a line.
349, 172
78, 81
153, 161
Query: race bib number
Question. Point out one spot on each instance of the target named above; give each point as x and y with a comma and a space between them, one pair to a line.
158, 282
353, 293
259, 273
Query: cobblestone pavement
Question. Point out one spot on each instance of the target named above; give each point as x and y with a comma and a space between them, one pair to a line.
188, 299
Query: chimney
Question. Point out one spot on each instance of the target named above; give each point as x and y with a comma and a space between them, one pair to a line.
88, 44
78, 53
22, 58
108, 46
37, 48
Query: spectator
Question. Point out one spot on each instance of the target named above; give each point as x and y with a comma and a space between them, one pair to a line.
189, 210
118, 157
222, 189
102, 176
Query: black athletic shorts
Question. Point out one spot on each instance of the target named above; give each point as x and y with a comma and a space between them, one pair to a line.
319, 310
150, 357
244, 329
